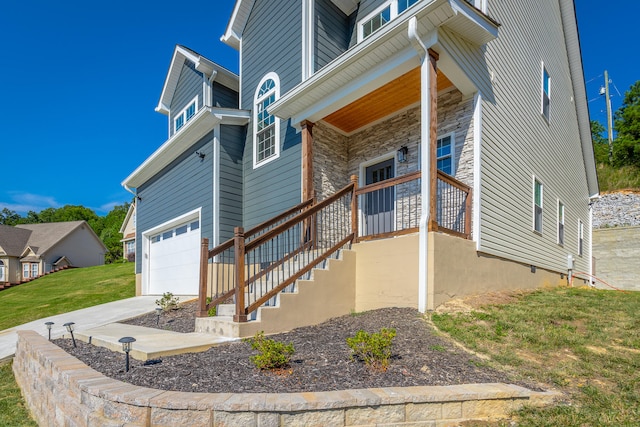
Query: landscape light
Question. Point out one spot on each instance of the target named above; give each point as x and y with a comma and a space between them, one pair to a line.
158, 311
126, 347
69, 326
49, 324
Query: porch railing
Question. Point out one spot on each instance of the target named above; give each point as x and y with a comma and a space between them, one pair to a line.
255, 265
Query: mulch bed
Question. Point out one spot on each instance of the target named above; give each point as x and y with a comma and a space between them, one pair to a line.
321, 361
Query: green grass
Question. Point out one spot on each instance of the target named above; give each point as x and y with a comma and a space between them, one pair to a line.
622, 178
13, 412
584, 342
66, 291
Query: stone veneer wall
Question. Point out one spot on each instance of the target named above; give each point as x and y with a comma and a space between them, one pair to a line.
61, 391
337, 157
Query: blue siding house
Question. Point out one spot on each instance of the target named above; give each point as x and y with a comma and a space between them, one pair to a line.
434, 148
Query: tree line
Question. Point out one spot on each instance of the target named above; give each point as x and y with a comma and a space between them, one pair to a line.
626, 124
106, 227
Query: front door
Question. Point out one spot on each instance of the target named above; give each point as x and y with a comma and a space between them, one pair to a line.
379, 205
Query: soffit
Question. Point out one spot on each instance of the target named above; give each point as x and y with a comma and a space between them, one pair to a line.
393, 96
379, 59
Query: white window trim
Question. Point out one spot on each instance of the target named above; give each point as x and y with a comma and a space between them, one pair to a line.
533, 205
453, 151
544, 71
580, 238
393, 4
183, 113
559, 204
393, 14
256, 164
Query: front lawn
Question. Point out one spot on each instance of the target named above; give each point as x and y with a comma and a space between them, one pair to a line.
583, 342
66, 291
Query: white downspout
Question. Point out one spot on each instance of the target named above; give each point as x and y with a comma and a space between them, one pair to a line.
209, 99
425, 140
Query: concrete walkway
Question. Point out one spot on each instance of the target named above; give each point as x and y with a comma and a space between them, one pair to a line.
84, 319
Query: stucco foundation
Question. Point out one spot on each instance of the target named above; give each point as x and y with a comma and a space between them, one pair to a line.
61, 391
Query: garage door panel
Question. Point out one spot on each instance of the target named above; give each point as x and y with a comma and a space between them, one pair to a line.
174, 261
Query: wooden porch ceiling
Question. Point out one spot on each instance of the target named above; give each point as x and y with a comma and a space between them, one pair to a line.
394, 96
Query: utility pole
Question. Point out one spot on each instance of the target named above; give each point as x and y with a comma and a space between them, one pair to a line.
609, 120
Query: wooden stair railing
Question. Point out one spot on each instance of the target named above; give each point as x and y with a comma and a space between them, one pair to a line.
255, 265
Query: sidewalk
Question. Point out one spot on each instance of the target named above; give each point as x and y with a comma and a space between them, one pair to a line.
86, 318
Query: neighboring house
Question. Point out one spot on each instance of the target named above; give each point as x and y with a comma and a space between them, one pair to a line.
128, 231
28, 251
464, 125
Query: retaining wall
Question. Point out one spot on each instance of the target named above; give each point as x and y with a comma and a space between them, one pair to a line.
60, 390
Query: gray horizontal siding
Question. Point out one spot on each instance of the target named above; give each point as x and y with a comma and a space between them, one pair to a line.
224, 97
517, 142
230, 197
184, 185
332, 32
274, 187
189, 85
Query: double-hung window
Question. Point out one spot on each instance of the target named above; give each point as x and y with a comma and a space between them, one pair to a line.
546, 92
580, 237
25, 270
265, 125
537, 206
186, 114
445, 154
381, 16
34, 270
560, 223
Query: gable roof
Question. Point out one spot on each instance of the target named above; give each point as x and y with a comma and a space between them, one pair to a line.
13, 240
242, 10
128, 217
44, 236
204, 65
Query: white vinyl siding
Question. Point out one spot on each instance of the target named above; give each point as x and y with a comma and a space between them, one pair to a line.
517, 143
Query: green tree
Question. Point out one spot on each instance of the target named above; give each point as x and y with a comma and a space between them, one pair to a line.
9, 217
110, 234
626, 150
600, 143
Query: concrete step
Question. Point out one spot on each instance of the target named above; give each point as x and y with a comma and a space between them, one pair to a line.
150, 343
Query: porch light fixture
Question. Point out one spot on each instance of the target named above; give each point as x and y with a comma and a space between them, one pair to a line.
200, 154
402, 154
158, 312
126, 347
69, 326
49, 325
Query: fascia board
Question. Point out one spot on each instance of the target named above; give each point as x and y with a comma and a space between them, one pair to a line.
194, 130
233, 34
327, 84
204, 122
170, 81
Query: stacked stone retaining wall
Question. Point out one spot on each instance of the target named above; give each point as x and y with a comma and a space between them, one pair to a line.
60, 390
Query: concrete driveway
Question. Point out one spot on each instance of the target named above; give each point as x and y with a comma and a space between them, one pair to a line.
85, 318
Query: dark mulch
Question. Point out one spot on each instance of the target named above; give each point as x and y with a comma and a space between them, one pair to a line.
321, 361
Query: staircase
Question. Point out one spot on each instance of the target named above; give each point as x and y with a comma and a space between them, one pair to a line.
326, 291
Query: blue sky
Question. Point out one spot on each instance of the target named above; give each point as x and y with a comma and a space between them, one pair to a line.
80, 81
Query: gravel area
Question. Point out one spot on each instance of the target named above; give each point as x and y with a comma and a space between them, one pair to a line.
617, 209
321, 361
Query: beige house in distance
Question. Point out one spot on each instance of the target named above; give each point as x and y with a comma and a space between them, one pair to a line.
128, 231
28, 251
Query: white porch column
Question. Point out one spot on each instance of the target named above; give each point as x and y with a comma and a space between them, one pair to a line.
428, 136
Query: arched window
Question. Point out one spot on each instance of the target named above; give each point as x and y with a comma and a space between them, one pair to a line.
266, 127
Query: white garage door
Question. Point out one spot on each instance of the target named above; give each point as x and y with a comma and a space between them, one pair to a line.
174, 260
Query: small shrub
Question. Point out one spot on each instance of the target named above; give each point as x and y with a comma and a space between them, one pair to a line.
374, 349
212, 311
168, 302
271, 354
131, 257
